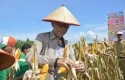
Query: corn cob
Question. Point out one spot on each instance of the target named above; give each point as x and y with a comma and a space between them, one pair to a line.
65, 52
92, 49
35, 63
84, 49
80, 50
63, 69
18, 53
44, 72
84, 45
32, 60
96, 47
103, 45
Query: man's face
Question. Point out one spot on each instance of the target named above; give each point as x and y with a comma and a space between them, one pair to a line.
26, 50
8, 48
60, 29
119, 36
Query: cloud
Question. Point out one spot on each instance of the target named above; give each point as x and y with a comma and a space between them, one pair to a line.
89, 35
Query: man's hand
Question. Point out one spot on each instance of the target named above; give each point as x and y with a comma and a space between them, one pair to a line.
80, 66
65, 62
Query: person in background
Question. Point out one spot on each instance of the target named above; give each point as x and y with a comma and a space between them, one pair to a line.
7, 44
120, 50
23, 65
50, 45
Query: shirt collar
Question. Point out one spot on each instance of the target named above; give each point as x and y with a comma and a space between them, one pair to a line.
120, 41
52, 35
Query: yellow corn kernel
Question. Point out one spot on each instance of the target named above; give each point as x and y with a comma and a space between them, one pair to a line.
18, 53
96, 48
92, 49
32, 60
61, 70
103, 45
65, 52
44, 72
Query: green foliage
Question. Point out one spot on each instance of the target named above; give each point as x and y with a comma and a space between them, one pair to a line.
21, 42
89, 44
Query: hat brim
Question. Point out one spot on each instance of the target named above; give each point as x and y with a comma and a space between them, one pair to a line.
119, 34
52, 20
6, 60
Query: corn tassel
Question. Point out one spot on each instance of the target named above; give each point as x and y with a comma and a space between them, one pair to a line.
63, 69
18, 53
44, 72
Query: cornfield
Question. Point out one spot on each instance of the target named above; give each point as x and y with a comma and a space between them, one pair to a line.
100, 60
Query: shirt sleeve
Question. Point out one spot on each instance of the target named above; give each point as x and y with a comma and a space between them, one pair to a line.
42, 59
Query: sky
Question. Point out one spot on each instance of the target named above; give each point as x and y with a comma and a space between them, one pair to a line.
22, 18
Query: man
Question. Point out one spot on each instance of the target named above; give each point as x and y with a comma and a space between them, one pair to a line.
50, 45
22, 62
7, 44
120, 50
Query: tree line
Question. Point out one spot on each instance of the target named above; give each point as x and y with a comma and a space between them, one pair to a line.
20, 43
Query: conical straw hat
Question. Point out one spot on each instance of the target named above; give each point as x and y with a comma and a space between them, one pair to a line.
6, 60
63, 15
